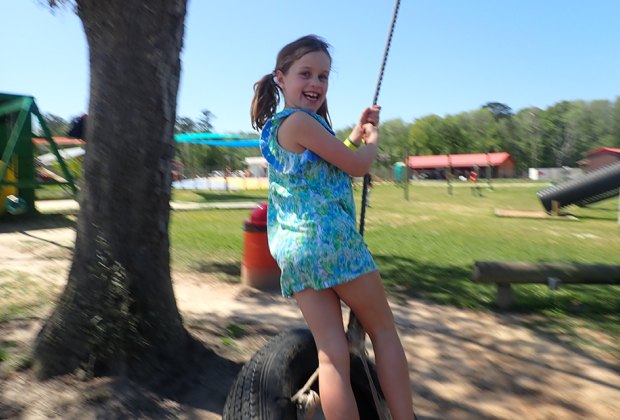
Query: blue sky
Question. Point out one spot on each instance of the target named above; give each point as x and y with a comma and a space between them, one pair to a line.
447, 56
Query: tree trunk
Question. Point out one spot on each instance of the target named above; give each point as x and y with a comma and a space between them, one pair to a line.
117, 314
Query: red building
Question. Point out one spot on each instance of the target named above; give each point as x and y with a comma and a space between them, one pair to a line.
433, 166
598, 158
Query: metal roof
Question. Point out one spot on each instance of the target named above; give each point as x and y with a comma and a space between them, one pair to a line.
602, 150
458, 161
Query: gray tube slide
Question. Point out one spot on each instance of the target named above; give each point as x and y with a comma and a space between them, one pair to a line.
597, 185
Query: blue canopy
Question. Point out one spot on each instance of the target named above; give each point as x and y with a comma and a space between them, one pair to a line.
209, 139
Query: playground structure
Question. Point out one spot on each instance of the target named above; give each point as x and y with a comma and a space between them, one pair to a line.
18, 171
596, 186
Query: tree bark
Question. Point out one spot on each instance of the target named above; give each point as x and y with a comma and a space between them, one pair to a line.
117, 314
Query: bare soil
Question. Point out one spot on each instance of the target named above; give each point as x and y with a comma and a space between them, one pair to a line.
463, 365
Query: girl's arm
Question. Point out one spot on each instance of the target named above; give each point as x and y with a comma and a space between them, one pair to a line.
301, 132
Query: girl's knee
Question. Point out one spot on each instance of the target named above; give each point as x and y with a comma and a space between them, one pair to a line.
335, 352
380, 322
384, 332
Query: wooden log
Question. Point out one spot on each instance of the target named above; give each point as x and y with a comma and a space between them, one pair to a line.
503, 297
521, 272
555, 208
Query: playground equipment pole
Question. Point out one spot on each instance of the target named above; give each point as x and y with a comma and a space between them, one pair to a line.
17, 150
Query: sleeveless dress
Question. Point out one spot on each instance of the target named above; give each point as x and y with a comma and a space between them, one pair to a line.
310, 216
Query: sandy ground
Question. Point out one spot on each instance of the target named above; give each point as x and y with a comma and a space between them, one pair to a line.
463, 365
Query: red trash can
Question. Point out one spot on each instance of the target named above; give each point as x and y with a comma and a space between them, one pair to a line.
258, 268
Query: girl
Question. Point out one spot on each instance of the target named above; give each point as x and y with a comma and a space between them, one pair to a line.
311, 224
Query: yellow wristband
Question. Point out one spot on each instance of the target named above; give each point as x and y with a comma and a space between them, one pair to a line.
350, 144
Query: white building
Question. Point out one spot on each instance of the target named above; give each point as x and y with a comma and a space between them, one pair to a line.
555, 174
257, 166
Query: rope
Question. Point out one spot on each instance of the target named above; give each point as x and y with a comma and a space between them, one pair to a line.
299, 395
374, 102
364, 354
386, 52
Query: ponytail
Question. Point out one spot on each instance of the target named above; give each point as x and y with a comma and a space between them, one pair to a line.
265, 101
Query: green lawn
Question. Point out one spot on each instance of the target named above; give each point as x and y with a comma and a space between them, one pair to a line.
426, 247
199, 196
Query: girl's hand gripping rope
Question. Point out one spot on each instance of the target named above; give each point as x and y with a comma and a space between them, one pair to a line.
369, 115
370, 134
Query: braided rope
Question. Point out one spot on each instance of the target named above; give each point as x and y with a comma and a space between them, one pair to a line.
386, 52
352, 318
374, 102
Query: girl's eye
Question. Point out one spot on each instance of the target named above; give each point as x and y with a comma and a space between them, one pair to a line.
305, 74
323, 77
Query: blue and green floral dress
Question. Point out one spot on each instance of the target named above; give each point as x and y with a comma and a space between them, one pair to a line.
310, 216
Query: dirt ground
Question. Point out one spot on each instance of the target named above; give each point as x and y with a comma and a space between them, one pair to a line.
463, 365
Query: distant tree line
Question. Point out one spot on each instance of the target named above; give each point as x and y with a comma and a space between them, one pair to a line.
553, 137
534, 137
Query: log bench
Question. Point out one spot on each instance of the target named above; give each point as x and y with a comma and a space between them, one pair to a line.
505, 274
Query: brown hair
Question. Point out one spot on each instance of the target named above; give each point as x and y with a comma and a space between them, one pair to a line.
267, 91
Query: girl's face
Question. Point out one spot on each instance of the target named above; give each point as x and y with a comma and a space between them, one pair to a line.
305, 83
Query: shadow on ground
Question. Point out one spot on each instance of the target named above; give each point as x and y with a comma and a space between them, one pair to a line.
12, 224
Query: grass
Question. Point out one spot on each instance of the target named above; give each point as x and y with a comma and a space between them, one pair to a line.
196, 196
24, 296
231, 333
207, 241
54, 192
426, 247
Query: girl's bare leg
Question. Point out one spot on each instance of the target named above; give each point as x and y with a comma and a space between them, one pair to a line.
366, 298
322, 312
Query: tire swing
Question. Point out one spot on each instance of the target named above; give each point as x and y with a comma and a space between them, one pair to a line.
280, 382
266, 385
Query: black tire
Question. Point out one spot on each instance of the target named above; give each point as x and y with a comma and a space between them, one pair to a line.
265, 385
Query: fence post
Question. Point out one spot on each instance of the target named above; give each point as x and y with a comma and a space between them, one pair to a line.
406, 170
